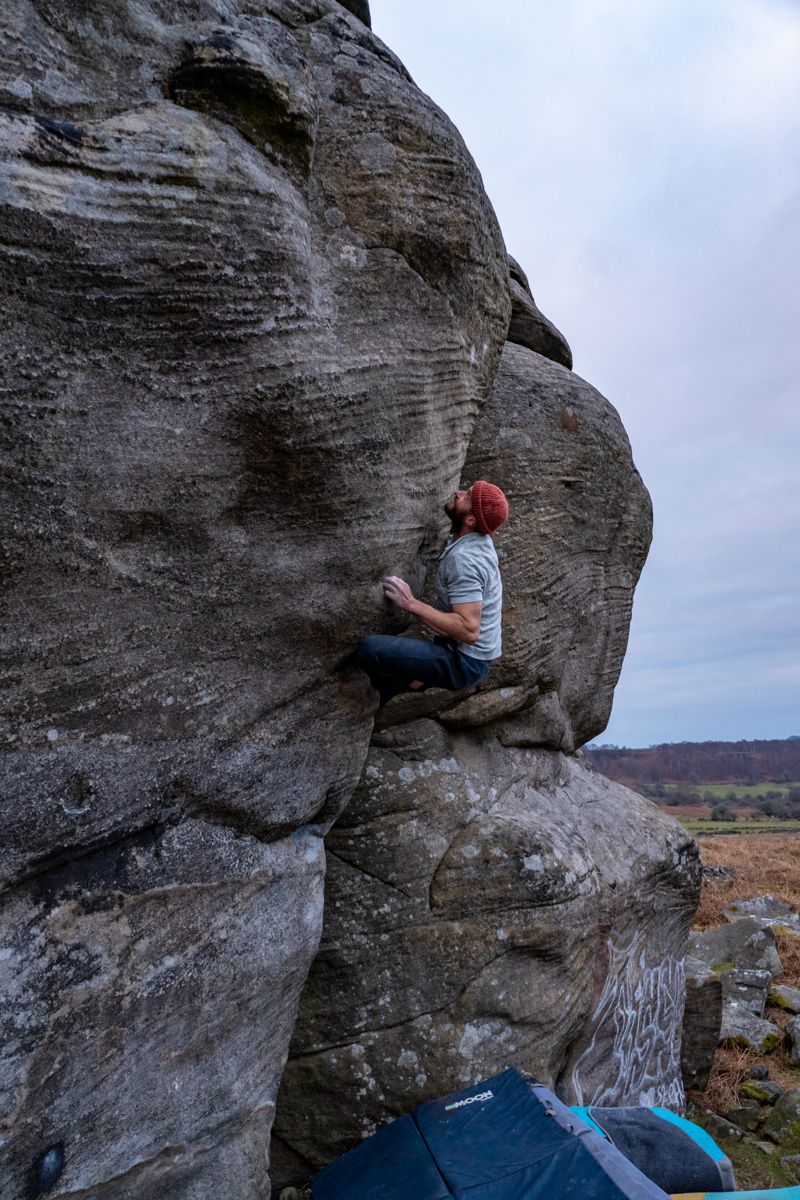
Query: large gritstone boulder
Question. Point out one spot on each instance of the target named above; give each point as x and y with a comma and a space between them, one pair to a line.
254, 299
487, 906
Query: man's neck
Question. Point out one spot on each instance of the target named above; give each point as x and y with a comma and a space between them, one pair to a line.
457, 531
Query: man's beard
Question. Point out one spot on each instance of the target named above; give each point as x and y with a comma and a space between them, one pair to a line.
456, 519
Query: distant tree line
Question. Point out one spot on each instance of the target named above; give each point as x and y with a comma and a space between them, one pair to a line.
696, 763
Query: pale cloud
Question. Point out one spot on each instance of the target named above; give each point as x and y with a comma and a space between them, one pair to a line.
644, 161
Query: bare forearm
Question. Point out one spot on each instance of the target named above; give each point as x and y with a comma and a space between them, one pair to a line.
449, 624
463, 623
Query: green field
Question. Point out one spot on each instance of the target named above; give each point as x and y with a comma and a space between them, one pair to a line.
742, 791
768, 825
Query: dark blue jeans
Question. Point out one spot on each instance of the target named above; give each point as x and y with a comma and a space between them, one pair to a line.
392, 662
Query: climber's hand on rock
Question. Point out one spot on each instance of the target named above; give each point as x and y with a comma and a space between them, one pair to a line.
398, 591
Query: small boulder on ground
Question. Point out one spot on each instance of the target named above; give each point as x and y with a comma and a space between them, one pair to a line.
762, 1091
783, 1123
766, 909
747, 1117
746, 944
793, 1030
748, 987
791, 1163
722, 876
720, 1128
783, 996
743, 1028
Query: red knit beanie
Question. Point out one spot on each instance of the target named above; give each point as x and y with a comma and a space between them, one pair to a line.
489, 506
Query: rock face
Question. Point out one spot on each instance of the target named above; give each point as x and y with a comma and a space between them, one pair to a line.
255, 296
571, 553
256, 306
148, 990
489, 900
487, 906
572, 549
530, 327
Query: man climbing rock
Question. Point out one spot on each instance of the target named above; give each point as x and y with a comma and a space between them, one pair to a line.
466, 623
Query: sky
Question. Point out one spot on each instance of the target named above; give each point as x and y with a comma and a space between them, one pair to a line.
644, 163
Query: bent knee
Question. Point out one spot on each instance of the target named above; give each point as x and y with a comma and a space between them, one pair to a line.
367, 649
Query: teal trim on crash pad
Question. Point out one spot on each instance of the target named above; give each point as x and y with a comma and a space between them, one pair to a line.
790, 1193
583, 1113
704, 1140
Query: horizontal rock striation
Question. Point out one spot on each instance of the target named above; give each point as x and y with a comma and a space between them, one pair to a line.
571, 553
573, 547
255, 297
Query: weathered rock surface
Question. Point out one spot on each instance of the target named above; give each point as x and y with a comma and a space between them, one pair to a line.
793, 1030
702, 1019
771, 912
146, 989
784, 996
748, 1116
783, 1123
254, 298
203, 331
530, 327
487, 905
573, 547
748, 988
746, 944
571, 552
743, 954
741, 1027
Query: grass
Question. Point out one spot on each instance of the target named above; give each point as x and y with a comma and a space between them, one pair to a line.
731, 1068
742, 791
755, 1169
762, 862
769, 825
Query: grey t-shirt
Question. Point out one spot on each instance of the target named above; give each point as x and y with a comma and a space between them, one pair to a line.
469, 571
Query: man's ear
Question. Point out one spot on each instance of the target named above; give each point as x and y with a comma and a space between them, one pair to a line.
470, 521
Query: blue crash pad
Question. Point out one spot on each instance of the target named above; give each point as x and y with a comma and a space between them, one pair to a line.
494, 1141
